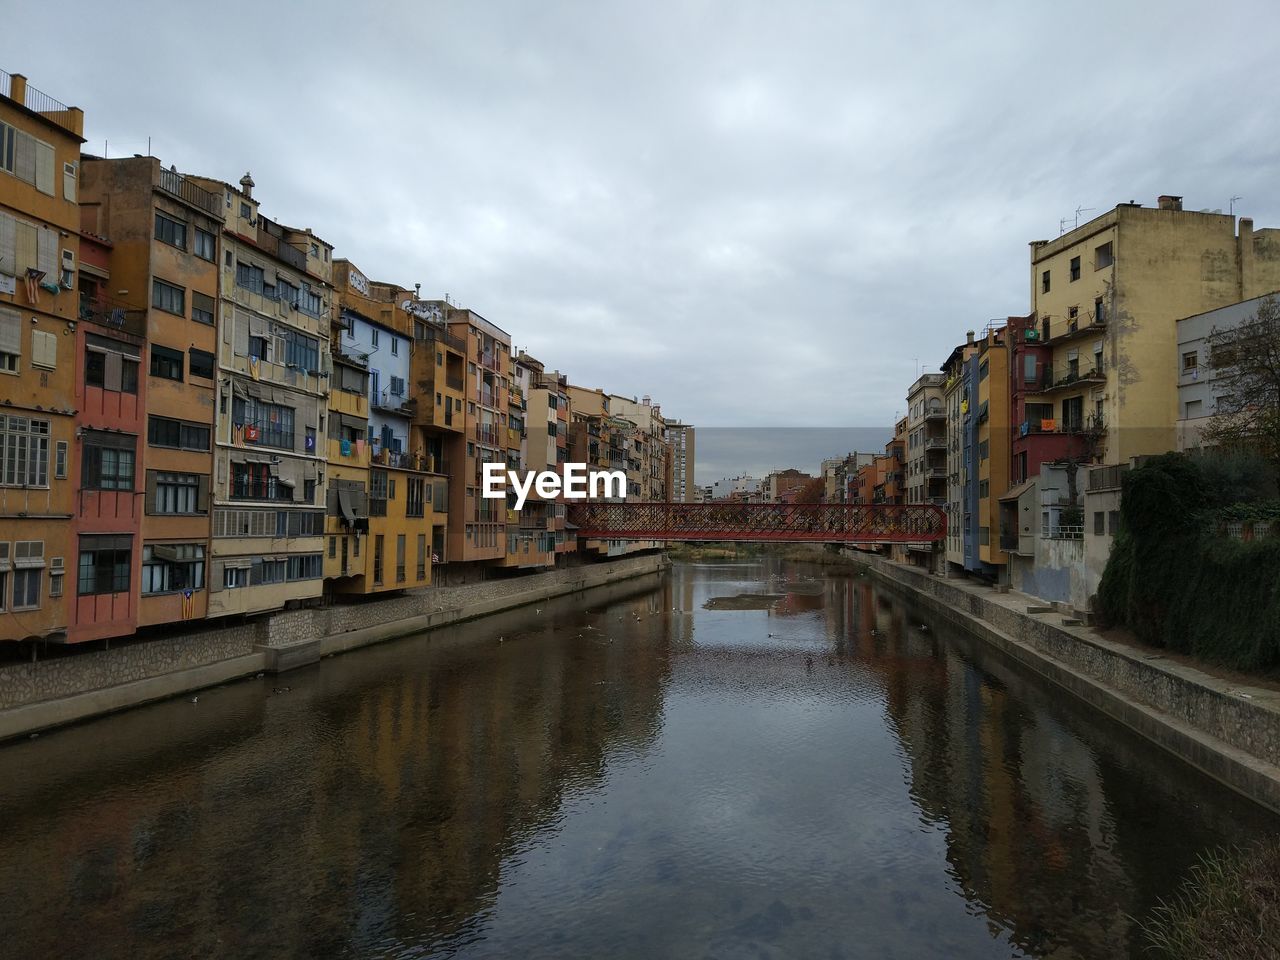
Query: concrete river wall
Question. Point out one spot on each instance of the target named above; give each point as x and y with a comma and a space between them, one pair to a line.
47, 693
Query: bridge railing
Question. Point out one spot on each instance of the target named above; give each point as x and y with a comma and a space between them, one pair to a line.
817, 522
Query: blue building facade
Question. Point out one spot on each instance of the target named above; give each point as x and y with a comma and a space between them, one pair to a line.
389, 356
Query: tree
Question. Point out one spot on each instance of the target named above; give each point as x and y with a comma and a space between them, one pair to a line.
1245, 361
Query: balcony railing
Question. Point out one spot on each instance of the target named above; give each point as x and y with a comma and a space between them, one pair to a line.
1090, 424
1094, 326
437, 334
491, 361
486, 433
454, 383
176, 185
39, 102
1068, 376
114, 315
1062, 531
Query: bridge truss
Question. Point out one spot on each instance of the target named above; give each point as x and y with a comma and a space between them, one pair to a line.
760, 522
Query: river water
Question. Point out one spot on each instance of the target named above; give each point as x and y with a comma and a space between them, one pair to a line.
760, 759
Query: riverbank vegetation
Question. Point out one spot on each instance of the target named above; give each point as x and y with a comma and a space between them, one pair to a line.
1195, 566
1229, 907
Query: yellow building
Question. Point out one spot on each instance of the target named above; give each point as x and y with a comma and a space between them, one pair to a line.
39, 254
993, 441
1107, 296
384, 470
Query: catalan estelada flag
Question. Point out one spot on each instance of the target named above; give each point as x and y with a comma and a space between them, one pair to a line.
188, 605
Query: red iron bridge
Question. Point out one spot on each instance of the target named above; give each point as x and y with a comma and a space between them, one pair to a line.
760, 522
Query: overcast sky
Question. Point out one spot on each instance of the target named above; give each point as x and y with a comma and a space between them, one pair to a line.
760, 214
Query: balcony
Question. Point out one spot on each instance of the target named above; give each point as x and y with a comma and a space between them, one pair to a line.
348, 355
453, 383
15, 87
113, 315
1090, 424
178, 186
491, 361
1078, 331
935, 413
393, 403
487, 433
935, 443
488, 398
430, 332
1009, 542
1070, 376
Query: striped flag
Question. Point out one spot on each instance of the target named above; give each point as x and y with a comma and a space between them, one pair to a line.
188, 605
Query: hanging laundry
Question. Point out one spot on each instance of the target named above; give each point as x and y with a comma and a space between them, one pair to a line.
346, 448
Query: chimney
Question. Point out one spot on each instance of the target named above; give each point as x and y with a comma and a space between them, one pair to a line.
18, 88
645, 400
1169, 202
968, 334
246, 184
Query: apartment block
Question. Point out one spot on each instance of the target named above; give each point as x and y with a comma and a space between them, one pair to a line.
993, 439
926, 441
959, 391
274, 317
546, 446
1107, 295
682, 441
40, 142
150, 309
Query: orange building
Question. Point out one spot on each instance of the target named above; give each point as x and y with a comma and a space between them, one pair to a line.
163, 231
39, 253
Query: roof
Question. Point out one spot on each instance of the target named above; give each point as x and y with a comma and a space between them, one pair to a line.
1013, 493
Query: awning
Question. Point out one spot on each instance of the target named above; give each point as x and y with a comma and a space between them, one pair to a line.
346, 506
1014, 493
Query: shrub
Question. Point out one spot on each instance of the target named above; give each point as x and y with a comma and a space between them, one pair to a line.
1229, 907
1176, 585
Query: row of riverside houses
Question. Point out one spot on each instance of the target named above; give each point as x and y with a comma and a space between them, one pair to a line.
1024, 434
207, 414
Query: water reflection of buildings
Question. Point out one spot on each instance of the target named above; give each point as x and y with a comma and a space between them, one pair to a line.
371, 804
1029, 809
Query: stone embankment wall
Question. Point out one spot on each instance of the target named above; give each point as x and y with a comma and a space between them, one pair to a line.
1229, 730
47, 693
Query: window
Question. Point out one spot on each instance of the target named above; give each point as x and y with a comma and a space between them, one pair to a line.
201, 363
984, 489
44, 350
302, 351
395, 346
60, 460
264, 424
1099, 523
310, 302
10, 335
333, 547
169, 567
299, 523
984, 369
1190, 361
104, 564
163, 432
422, 556
233, 577
1113, 522
176, 492
25, 157
108, 461
373, 336
24, 452
165, 363
111, 365
254, 481
249, 276
984, 449
171, 231
400, 576
1044, 282
245, 210
169, 298
377, 558
1103, 256
1075, 269
305, 567
286, 292
984, 536
1029, 368
1192, 409
26, 589
379, 489
205, 245
201, 307
267, 571
1099, 311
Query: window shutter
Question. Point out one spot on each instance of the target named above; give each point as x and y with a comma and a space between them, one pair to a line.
26, 255
44, 349
44, 167
24, 156
10, 331
47, 253
241, 347
8, 245
150, 505
69, 182
202, 494
217, 576
112, 377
